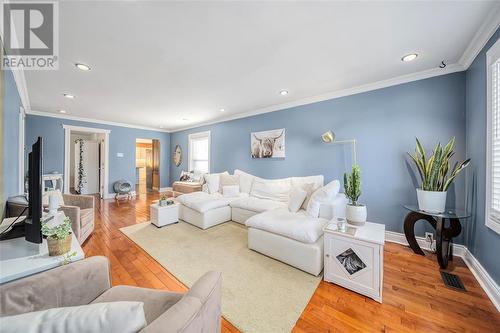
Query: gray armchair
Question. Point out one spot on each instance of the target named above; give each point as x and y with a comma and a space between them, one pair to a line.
80, 209
88, 281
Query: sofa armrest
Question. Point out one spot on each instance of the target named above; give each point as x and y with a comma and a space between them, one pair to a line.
336, 208
73, 212
198, 311
82, 201
78, 283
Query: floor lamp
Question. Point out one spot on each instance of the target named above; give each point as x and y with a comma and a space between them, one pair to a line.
329, 137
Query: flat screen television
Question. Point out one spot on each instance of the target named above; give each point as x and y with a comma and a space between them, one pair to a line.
33, 224
31, 227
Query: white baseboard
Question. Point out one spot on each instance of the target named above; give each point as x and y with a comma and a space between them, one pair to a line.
165, 189
489, 286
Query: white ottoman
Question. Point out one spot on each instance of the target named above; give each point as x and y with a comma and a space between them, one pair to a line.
162, 216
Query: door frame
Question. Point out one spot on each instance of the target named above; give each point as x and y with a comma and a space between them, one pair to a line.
103, 190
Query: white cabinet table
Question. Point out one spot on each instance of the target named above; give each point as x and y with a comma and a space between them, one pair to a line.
164, 215
355, 259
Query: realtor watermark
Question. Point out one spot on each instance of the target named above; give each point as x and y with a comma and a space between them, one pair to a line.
30, 35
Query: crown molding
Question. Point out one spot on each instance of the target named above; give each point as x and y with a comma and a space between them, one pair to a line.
483, 34
92, 120
336, 94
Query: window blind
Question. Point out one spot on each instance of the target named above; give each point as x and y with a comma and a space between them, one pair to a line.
199, 153
495, 142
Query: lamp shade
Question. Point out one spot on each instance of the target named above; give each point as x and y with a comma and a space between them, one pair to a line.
328, 137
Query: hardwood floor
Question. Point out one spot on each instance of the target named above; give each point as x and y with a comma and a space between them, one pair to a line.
414, 297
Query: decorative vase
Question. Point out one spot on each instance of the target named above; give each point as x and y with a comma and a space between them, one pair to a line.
431, 201
163, 203
356, 215
59, 246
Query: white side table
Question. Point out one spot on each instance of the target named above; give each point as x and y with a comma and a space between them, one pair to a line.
162, 216
356, 260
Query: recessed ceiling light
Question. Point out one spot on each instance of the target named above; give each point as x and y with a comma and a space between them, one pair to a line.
284, 92
161, 126
222, 110
409, 57
62, 111
69, 96
82, 67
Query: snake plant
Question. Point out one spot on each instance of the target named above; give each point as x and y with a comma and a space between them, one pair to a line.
435, 172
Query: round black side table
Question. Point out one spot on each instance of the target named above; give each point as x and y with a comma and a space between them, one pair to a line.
444, 231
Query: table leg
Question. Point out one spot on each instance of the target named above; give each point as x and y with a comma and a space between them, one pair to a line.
409, 228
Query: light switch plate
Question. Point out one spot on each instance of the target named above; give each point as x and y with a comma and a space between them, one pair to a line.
119, 154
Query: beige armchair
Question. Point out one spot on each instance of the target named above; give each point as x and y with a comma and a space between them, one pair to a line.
80, 209
88, 281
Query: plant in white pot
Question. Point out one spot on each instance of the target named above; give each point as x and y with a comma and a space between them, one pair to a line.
436, 175
355, 212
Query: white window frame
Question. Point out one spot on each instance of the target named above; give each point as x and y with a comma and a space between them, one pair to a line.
198, 136
492, 56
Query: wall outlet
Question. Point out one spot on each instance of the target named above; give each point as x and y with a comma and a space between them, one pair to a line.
429, 237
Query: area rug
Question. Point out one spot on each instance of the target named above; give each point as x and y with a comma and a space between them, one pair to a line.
259, 294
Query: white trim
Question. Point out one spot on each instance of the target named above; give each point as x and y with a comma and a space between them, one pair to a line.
491, 56
21, 155
195, 136
483, 34
165, 189
86, 129
67, 144
92, 120
452, 68
108, 195
489, 286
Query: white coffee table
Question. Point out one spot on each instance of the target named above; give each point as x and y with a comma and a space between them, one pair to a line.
164, 215
355, 260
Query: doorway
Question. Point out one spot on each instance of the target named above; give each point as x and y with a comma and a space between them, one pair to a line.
86, 160
147, 165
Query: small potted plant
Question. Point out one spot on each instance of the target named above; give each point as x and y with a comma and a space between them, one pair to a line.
58, 237
355, 212
436, 175
163, 200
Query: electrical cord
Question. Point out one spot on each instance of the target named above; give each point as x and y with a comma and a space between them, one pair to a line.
17, 218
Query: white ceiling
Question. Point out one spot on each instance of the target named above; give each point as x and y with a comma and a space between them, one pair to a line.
157, 63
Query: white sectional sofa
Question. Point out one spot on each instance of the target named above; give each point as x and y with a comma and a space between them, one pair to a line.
295, 238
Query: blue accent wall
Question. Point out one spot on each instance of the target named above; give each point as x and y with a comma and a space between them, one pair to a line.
10, 132
384, 122
121, 140
483, 242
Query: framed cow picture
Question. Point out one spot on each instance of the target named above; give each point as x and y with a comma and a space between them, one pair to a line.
268, 144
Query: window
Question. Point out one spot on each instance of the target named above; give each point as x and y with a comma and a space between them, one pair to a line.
199, 152
493, 138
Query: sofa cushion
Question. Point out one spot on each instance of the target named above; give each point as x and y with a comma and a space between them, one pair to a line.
257, 205
318, 181
230, 191
126, 317
155, 301
324, 194
202, 201
271, 189
298, 226
246, 180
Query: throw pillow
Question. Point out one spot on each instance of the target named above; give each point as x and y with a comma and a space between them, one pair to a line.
228, 180
123, 317
297, 197
271, 189
309, 188
212, 180
230, 191
324, 194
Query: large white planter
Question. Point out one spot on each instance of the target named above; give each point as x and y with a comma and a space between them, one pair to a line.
356, 214
431, 201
